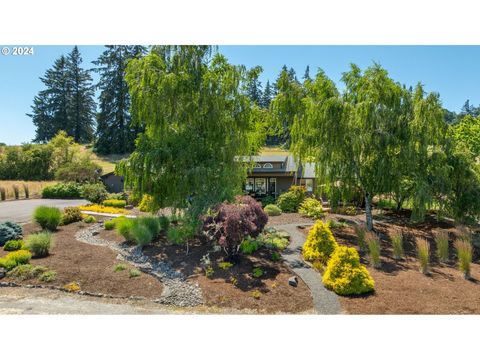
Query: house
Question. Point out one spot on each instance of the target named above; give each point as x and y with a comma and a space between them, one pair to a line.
113, 183
274, 174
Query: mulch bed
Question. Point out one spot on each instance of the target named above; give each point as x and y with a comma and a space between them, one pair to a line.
288, 218
219, 291
89, 265
400, 288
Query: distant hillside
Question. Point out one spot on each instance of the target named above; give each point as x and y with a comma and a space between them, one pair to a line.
107, 162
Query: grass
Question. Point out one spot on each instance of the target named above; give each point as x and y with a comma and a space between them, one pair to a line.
34, 188
423, 254
134, 273
464, 254
397, 244
106, 162
441, 239
361, 231
373, 245
119, 267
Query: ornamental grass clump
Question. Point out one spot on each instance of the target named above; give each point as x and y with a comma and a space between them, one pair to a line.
464, 254
16, 191
48, 217
70, 215
441, 239
320, 244
397, 244
272, 210
373, 245
345, 275
3, 193
26, 190
39, 244
423, 254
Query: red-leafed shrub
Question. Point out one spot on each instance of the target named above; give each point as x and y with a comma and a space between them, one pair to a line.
230, 224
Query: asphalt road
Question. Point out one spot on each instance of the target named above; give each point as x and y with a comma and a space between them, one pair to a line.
21, 211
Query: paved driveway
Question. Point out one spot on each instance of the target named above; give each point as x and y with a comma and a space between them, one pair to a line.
21, 210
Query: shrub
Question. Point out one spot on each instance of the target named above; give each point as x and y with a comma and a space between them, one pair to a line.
320, 243
15, 227
275, 240
71, 214
62, 191
256, 294
230, 224
334, 224
114, 203
80, 170
109, 224
249, 246
361, 231
12, 245
16, 191
267, 200
7, 263
423, 254
9, 231
225, 265
397, 244
20, 257
151, 223
39, 244
290, 201
123, 226
134, 273
181, 233
346, 210
441, 239
312, 208
89, 219
119, 267
257, 272
141, 234
373, 245
3, 193
345, 275
95, 192
102, 209
164, 222
48, 217
26, 190
272, 210
72, 286
48, 276
147, 204
464, 254
275, 256
27, 271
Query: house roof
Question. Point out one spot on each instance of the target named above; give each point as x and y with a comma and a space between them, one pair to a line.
290, 165
264, 158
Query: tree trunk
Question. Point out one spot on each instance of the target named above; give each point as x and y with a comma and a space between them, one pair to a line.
368, 212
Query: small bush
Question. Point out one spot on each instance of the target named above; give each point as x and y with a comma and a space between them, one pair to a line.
464, 254
141, 234
180, 234
119, 267
95, 192
397, 244
272, 210
346, 210
123, 226
275, 256
27, 271
3, 193
267, 200
103, 209
225, 265
39, 244
7, 263
48, 217
209, 271
334, 224
164, 222
71, 214
147, 204
15, 227
72, 287
256, 294
441, 239
48, 276
361, 231
134, 273
257, 272
9, 231
109, 224
320, 243
12, 245
423, 254
345, 275
20, 257
274, 241
290, 201
114, 203
373, 245
312, 208
89, 219
151, 223
62, 191
249, 246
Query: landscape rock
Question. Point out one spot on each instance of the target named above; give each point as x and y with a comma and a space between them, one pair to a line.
129, 207
293, 281
2, 273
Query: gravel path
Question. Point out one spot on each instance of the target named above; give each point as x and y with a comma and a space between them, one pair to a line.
176, 290
324, 301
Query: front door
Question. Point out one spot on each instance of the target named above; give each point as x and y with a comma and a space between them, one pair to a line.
272, 186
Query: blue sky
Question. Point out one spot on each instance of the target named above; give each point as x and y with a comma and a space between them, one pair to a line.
453, 71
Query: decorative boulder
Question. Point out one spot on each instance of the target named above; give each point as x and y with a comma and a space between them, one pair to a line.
293, 281
2, 273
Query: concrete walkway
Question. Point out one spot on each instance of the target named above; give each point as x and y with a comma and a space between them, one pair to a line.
324, 301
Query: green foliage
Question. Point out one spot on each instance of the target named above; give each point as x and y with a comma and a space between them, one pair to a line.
26, 162
89, 219
249, 246
164, 222
133, 273
123, 226
181, 233
345, 275
95, 192
197, 119
109, 224
82, 170
441, 239
397, 244
19, 257
320, 243
225, 265
147, 204
48, 276
274, 239
290, 201
119, 267
141, 230
257, 272
334, 224
115, 203
27, 271
47, 217
62, 191
272, 210
373, 244
312, 208
467, 132
141, 234
423, 254
267, 200
361, 231
70, 215
464, 254
7, 263
39, 244
9, 231
12, 245
275, 256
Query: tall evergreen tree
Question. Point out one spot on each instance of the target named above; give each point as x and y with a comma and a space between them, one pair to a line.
115, 133
306, 76
267, 95
81, 104
254, 87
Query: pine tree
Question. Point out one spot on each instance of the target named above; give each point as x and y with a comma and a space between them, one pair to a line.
254, 87
81, 103
115, 133
306, 76
267, 96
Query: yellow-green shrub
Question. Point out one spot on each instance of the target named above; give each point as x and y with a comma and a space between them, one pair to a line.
320, 243
147, 204
114, 203
345, 275
103, 209
311, 207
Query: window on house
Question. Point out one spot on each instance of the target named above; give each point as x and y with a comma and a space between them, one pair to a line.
257, 166
249, 184
260, 185
268, 166
309, 185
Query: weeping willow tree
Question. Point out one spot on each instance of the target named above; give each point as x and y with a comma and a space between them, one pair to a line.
197, 119
352, 136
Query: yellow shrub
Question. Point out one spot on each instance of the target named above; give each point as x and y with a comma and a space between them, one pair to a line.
345, 275
320, 244
103, 209
73, 287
